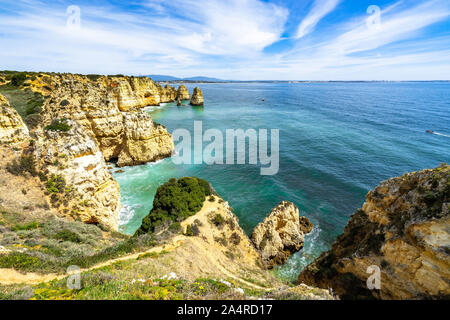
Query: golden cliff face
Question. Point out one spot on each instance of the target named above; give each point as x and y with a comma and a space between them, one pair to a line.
12, 128
105, 122
403, 228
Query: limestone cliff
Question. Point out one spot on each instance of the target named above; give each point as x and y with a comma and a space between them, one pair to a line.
402, 229
85, 121
76, 176
12, 128
280, 234
197, 97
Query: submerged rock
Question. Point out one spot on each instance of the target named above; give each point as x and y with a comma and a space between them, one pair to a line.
197, 97
402, 231
280, 234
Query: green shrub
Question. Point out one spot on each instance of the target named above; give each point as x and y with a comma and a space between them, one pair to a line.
18, 79
26, 164
20, 261
55, 184
93, 77
27, 226
64, 103
189, 231
212, 199
218, 220
34, 105
58, 125
67, 235
175, 227
192, 230
175, 201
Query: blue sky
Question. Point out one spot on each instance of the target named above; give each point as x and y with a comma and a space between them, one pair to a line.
231, 39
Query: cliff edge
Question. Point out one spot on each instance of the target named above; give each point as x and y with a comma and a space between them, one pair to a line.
403, 231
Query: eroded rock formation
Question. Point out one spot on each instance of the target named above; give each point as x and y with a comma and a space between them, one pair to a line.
77, 177
402, 229
85, 121
183, 93
12, 128
280, 234
197, 97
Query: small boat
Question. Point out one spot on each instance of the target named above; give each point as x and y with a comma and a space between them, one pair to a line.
430, 131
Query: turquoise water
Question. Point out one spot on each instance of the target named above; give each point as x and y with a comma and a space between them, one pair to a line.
337, 141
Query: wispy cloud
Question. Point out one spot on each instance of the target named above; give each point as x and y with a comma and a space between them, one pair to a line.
319, 10
226, 39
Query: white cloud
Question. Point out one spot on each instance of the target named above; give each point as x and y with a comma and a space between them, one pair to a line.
319, 10
223, 39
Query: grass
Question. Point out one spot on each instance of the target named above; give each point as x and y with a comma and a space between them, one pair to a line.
108, 285
24, 101
46, 244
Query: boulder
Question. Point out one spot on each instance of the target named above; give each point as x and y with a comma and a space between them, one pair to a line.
280, 234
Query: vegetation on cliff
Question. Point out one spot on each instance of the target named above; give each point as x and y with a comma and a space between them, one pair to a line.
175, 201
403, 230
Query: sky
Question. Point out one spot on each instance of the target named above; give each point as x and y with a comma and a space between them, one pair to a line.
230, 39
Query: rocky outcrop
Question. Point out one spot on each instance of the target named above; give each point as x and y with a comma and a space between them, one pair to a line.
280, 234
167, 94
129, 136
197, 97
144, 140
107, 122
76, 176
183, 93
403, 231
12, 128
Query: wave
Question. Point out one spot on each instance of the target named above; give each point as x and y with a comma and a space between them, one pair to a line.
126, 214
441, 134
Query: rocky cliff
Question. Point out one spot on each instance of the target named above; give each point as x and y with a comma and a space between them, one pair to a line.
280, 234
402, 230
12, 128
84, 121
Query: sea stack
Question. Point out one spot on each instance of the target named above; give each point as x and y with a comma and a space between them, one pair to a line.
183, 93
197, 97
281, 234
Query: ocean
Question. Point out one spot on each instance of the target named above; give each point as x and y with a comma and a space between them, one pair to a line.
337, 142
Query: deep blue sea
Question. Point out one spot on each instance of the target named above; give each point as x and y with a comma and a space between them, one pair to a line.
337, 141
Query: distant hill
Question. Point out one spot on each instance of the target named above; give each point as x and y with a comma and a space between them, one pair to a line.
159, 77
